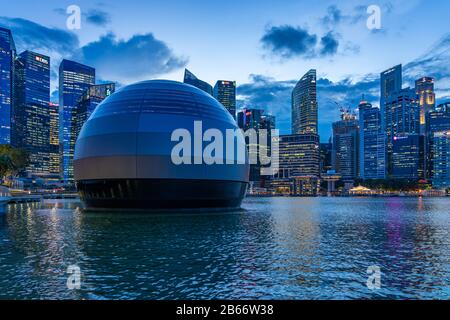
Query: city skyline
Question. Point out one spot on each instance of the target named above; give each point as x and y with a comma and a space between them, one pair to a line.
401, 114
249, 151
264, 74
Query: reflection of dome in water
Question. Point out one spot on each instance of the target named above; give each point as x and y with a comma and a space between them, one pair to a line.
123, 153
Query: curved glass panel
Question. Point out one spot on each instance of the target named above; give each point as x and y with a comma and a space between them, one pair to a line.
163, 97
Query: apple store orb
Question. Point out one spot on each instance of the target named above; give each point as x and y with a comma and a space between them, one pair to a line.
123, 153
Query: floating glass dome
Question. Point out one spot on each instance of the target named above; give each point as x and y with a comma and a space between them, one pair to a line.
123, 155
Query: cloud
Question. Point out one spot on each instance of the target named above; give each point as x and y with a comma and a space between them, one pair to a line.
288, 41
275, 97
351, 48
140, 57
333, 17
98, 17
54, 95
433, 63
331, 21
29, 35
270, 95
124, 61
329, 44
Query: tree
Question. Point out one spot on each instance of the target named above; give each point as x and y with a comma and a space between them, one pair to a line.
12, 160
5, 165
390, 184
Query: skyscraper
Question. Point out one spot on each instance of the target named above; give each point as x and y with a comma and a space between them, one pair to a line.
437, 120
304, 105
299, 152
74, 80
249, 119
441, 164
427, 103
7, 56
31, 113
225, 93
299, 155
345, 155
191, 79
54, 140
299, 164
407, 156
402, 117
256, 119
268, 123
372, 143
88, 102
391, 81
326, 150
427, 99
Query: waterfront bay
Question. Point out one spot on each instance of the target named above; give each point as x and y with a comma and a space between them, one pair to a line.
275, 248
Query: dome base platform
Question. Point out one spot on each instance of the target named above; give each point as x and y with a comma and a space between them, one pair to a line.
161, 194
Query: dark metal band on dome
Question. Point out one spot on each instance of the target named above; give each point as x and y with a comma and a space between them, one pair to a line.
161, 194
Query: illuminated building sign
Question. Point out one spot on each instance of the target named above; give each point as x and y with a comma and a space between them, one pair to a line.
400, 138
42, 60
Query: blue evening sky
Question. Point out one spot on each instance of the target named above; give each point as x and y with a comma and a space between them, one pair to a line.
265, 45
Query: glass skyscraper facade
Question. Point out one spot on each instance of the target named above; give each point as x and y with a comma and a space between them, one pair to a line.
407, 156
299, 165
299, 156
345, 155
225, 93
190, 78
255, 119
251, 119
268, 122
304, 105
54, 140
427, 99
88, 102
437, 120
299, 153
7, 57
402, 117
391, 81
326, 150
441, 163
31, 113
372, 143
74, 80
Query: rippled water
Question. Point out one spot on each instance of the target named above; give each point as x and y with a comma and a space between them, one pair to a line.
277, 248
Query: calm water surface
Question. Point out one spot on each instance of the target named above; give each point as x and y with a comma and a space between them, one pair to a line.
277, 248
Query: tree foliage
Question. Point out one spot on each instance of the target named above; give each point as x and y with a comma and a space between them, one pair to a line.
391, 184
12, 160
